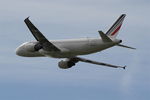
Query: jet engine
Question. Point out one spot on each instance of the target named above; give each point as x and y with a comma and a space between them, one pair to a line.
37, 47
32, 46
66, 64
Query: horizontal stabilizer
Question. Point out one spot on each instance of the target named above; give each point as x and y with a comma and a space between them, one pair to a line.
104, 37
125, 46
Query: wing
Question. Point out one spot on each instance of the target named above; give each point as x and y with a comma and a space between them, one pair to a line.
40, 37
76, 59
125, 46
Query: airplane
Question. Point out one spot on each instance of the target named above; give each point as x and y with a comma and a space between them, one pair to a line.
71, 49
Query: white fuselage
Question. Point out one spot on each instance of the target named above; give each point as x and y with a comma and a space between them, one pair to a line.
69, 48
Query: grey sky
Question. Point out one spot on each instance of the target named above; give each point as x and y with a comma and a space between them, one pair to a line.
40, 78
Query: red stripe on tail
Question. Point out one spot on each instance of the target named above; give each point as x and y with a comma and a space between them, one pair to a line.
116, 31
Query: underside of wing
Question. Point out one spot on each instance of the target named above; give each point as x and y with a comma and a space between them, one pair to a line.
48, 46
76, 59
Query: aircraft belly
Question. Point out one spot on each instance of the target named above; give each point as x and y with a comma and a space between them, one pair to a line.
75, 48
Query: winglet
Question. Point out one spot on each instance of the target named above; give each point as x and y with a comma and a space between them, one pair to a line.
104, 37
27, 18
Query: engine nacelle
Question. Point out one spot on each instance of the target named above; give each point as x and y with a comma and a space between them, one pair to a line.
66, 64
28, 47
32, 46
37, 47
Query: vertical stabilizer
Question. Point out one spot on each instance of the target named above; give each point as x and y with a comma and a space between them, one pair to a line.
114, 30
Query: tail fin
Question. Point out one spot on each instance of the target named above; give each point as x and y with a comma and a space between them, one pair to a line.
114, 30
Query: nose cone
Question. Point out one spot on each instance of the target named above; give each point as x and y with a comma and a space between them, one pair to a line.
19, 51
